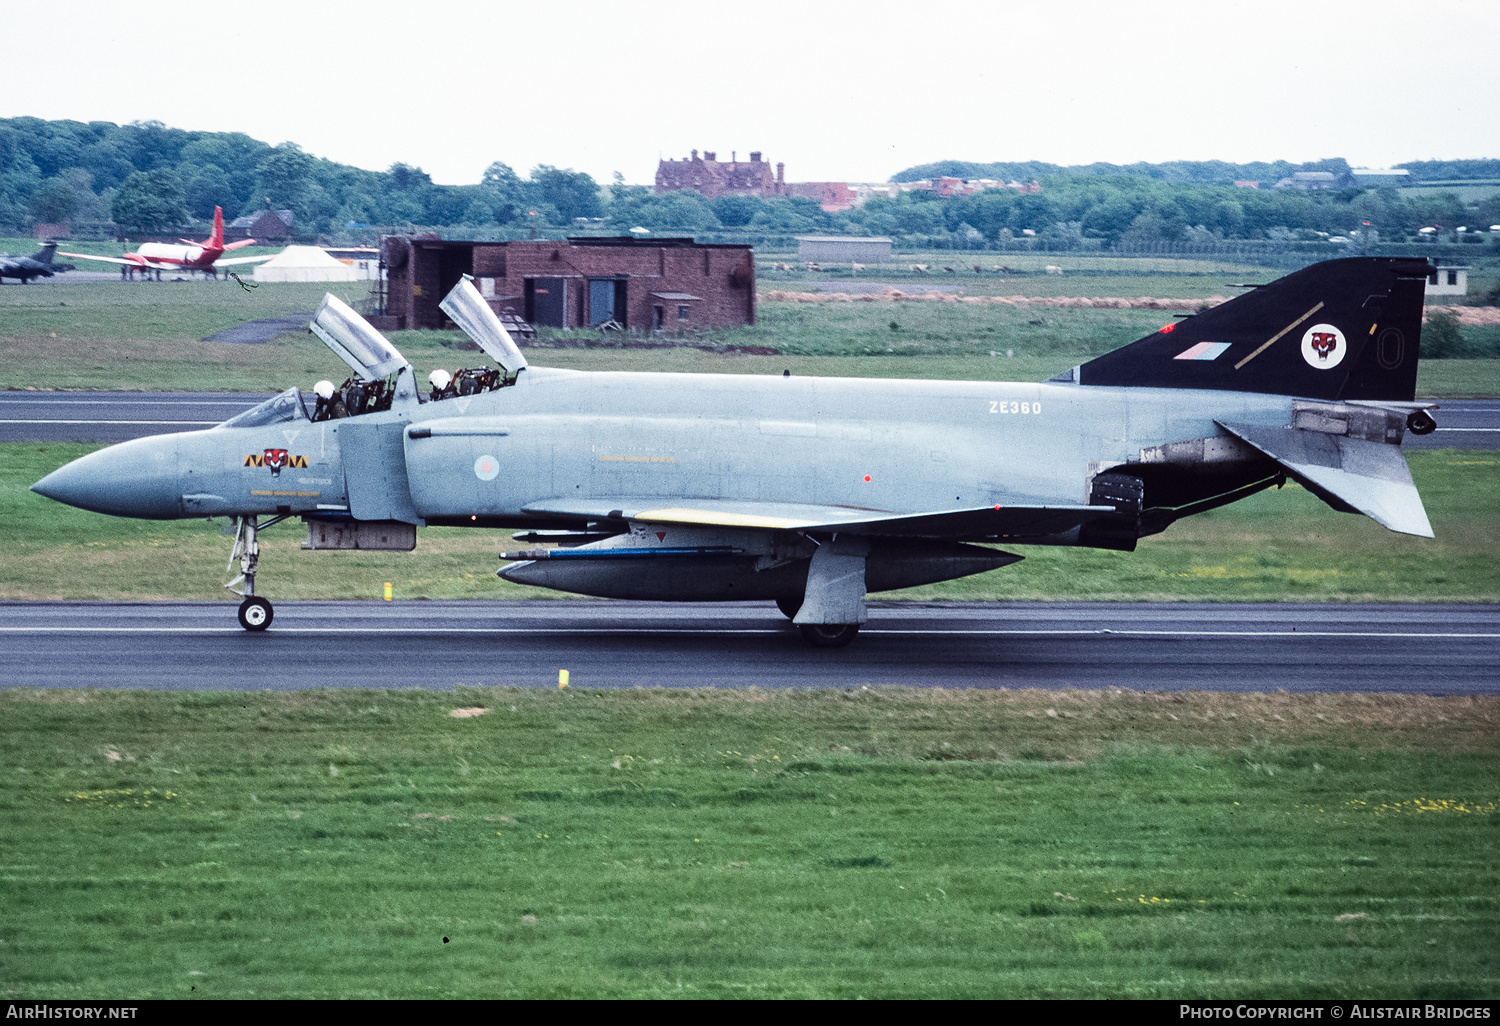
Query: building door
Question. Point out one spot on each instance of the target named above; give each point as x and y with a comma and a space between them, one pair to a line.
547, 301
606, 301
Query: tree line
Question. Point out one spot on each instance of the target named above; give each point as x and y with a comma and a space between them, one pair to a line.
147, 177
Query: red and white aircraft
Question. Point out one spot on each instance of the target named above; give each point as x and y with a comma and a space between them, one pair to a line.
195, 256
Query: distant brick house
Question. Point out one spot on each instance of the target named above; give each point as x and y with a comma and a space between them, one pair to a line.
714, 178
274, 226
648, 284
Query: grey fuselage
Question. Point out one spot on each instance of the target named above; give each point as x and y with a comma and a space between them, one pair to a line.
565, 438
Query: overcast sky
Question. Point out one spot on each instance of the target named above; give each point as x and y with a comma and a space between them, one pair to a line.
839, 91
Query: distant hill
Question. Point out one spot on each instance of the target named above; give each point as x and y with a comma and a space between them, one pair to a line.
1188, 172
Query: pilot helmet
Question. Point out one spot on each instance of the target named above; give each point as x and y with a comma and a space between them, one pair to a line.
324, 389
440, 378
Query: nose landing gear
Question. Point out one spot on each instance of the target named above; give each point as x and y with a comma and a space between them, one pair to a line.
255, 613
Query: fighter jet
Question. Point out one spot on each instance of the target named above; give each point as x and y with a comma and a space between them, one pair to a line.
808, 491
38, 265
202, 256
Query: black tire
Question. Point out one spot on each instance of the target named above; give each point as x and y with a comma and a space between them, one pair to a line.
828, 635
789, 606
256, 614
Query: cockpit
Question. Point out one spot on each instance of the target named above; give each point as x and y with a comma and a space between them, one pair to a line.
381, 374
379, 368
278, 409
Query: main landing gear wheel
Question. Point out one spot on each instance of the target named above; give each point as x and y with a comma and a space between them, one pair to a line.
789, 606
828, 635
256, 614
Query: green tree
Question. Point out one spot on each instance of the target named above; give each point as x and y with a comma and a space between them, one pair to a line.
572, 193
283, 176
54, 203
151, 202
208, 187
1442, 339
735, 211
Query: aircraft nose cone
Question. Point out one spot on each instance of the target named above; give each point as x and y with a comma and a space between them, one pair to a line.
133, 479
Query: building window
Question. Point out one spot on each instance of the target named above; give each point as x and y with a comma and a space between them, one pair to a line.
682, 313
1452, 277
1432, 278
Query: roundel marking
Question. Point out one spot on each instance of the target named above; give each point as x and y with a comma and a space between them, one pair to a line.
486, 468
1324, 346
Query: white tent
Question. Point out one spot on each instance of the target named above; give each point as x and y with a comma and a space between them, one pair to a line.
304, 263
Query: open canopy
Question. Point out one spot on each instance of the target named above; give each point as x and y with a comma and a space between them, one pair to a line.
355, 340
471, 313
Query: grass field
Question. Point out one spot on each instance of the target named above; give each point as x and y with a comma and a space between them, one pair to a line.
878, 843
135, 336
1278, 545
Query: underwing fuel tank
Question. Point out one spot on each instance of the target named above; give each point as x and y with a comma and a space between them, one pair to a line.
718, 573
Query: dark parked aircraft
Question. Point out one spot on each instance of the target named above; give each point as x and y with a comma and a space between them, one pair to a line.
809, 491
38, 265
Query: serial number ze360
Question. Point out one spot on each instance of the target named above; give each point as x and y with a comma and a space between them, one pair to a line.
1002, 406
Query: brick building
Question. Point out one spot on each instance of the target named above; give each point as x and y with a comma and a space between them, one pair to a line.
715, 178
734, 177
649, 284
831, 196
271, 226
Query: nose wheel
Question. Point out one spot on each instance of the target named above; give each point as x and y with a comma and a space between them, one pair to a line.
256, 613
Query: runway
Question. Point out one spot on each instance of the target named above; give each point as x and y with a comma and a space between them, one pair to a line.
1426, 649
114, 416
117, 416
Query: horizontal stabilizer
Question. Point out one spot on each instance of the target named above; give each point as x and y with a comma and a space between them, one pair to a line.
984, 522
1348, 473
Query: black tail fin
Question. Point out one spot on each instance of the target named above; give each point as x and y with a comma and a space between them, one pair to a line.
44, 255
1342, 329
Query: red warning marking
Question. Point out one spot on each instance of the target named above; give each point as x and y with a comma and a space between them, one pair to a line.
1167, 329
867, 478
661, 535
997, 505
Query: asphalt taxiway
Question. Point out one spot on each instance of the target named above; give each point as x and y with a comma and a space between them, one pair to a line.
1424, 649
117, 416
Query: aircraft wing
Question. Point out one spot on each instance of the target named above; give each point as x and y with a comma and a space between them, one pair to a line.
105, 259
1003, 521
242, 260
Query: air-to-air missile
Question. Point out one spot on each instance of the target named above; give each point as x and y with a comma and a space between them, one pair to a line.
806, 491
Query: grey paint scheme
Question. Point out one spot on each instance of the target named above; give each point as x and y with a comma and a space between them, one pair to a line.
808, 490
926, 445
